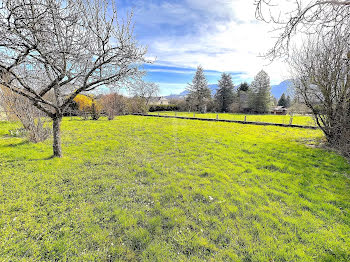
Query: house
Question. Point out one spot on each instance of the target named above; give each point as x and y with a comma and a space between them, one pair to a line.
279, 110
159, 101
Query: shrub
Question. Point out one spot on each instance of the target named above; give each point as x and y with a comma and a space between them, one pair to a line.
136, 105
154, 108
113, 105
20, 108
88, 106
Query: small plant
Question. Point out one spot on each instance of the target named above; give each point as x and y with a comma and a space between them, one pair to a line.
18, 132
35, 133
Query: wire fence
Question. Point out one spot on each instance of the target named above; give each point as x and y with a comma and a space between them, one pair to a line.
217, 119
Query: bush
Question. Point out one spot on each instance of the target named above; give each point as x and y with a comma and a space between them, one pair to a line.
32, 119
154, 108
39, 132
136, 105
36, 133
113, 105
88, 106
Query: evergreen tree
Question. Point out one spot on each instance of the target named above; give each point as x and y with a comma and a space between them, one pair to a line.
288, 101
243, 87
282, 101
261, 93
224, 96
199, 93
242, 96
274, 101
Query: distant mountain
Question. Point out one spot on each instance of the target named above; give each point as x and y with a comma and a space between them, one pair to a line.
276, 90
184, 93
213, 88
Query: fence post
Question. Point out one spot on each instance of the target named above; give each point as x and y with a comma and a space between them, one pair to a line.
158, 113
175, 113
217, 116
194, 114
245, 118
291, 120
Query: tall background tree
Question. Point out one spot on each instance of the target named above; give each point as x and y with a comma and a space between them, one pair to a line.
224, 95
199, 94
243, 87
260, 93
284, 101
242, 97
52, 50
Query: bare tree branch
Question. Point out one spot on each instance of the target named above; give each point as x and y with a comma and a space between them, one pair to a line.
52, 50
314, 17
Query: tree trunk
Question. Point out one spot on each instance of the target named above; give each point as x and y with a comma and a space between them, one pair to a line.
57, 150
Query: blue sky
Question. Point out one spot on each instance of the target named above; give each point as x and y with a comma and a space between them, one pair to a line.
220, 35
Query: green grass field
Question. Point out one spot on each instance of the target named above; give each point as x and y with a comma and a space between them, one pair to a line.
279, 119
155, 189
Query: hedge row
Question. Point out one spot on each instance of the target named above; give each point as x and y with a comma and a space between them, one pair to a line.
154, 108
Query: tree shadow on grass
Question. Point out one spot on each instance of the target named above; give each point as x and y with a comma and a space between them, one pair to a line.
44, 158
24, 142
28, 160
25, 158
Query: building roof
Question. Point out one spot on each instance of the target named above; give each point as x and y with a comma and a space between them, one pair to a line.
158, 98
279, 108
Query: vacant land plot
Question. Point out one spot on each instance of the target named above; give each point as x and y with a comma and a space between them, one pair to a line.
279, 119
154, 189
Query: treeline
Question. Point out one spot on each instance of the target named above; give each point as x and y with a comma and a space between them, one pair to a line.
245, 98
253, 98
89, 106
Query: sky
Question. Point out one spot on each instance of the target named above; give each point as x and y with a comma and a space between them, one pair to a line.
219, 35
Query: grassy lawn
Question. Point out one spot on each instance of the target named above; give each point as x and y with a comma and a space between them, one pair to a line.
280, 119
156, 189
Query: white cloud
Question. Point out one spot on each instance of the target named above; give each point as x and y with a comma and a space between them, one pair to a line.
177, 71
226, 36
233, 47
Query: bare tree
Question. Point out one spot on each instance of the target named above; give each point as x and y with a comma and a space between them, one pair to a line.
114, 104
144, 90
64, 47
321, 70
308, 17
321, 66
